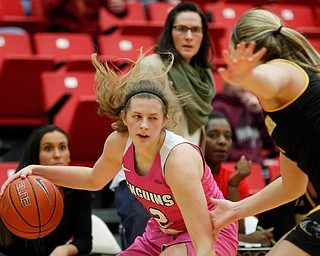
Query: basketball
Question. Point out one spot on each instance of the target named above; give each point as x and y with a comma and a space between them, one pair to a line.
31, 207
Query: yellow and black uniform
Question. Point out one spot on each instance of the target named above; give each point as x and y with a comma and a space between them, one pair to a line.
295, 127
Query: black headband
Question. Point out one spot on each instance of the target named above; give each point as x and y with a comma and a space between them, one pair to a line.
134, 94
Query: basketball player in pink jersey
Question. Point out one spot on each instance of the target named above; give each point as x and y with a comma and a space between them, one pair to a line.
166, 173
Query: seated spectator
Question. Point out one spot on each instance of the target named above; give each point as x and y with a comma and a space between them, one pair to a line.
80, 15
49, 145
250, 136
233, 183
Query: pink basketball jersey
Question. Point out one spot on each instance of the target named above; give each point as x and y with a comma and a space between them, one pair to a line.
153, 191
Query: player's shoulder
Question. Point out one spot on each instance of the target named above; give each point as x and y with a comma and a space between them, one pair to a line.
184, 152
116, 140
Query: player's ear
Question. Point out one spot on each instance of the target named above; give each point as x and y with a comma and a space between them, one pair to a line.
123, 117
165, 121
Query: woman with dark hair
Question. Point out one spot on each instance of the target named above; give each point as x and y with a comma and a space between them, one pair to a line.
49, 145
185, 36
167, 42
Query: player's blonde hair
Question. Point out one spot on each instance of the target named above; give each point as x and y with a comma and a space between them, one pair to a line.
268, 30
114, 89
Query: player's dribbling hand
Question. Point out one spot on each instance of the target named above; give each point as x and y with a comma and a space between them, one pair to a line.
240, 65
222, 215
23, 173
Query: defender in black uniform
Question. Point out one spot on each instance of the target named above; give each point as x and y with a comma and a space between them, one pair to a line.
282, 69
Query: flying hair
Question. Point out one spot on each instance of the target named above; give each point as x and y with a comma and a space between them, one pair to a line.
115, 89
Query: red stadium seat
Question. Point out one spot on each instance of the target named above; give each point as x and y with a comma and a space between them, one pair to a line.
14, 43
11, 8
257, 3
120, 47
297, 16
317, 15
315, 42
158, 11
255, 179
309, 2
135, 16
218, 81
6, 170
64, 47
134, 23
88, 131
225, 16
13, 14
67, 88
21, 97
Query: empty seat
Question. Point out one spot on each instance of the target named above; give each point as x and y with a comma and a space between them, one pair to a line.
315, 41
309, 2
6, 170
14, 43
11, 8
12, 13
158, 11
120, 46
226, 16
257, 3
88, 131
296, 16
65, 87
21, 97
64, 47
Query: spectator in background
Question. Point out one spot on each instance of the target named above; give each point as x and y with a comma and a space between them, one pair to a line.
250, 136
186, 36
49, 145
232, 183
80, 15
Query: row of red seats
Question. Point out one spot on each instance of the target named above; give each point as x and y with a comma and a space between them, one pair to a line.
222, 16
149, 20
66, 99
70, 47
303, 17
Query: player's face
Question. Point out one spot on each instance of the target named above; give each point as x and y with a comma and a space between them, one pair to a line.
54, 149
187, 41
218, 140
145, 119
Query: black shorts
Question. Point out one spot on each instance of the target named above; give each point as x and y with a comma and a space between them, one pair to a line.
306, 234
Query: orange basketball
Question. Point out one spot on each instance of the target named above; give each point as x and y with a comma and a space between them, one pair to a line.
31, 207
